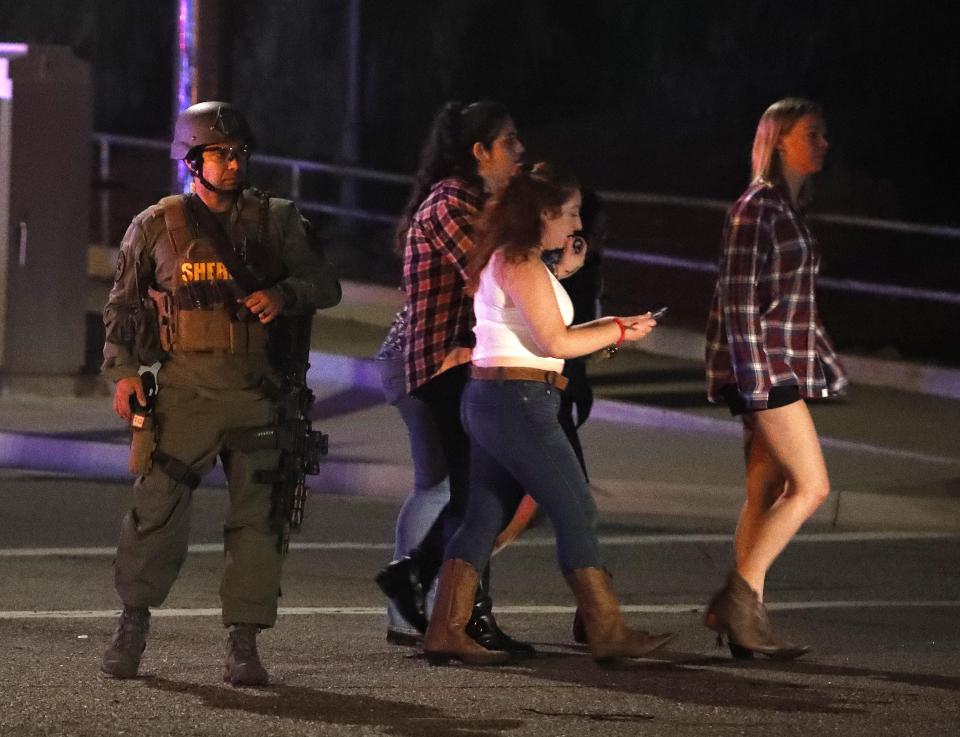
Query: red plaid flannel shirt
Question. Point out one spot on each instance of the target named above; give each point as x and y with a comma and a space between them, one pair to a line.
434, 277
764, 330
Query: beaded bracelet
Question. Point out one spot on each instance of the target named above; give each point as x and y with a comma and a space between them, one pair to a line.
615, 347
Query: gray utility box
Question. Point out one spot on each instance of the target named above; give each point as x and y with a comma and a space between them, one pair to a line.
46, 124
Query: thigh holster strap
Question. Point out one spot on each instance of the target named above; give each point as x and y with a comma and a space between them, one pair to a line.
177, 470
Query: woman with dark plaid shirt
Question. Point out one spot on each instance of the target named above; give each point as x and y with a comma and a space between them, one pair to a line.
767, 351
470, 153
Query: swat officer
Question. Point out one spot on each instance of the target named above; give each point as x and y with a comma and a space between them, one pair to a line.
204, 284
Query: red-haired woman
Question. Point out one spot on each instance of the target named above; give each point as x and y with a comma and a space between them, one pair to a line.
510, 408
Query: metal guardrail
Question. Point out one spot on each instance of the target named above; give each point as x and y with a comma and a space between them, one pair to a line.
843, 285
856, 221
297, 167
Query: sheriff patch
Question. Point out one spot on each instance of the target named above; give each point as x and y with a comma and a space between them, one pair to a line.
194, 271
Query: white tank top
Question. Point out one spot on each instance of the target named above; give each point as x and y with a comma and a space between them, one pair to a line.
501, 330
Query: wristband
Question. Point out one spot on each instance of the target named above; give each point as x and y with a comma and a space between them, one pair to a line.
623, 331
613, 348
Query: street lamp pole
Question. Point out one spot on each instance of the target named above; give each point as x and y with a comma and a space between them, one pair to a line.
201, 62
350, 139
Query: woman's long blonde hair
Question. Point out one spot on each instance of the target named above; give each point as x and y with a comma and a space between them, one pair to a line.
776, 120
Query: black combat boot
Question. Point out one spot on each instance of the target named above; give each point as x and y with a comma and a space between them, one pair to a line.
243, 666
122, 659
407, 580
484, 630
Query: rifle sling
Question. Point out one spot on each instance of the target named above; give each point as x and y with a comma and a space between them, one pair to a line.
224, 248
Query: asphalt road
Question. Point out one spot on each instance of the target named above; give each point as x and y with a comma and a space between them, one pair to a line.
880, 609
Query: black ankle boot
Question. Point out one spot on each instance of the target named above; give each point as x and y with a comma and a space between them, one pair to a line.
483, 630
401, 582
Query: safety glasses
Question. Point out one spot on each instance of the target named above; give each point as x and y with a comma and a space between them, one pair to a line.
226, 154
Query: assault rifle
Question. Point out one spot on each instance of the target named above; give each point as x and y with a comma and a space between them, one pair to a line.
301, 447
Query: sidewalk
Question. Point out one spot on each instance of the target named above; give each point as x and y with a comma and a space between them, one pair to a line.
656, 450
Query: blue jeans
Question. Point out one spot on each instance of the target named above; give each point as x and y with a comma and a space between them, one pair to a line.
431, 486
517, 445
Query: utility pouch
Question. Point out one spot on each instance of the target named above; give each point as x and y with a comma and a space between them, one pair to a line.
148, 339
166, 320
142, 444
215, 330
203, 330
248, 337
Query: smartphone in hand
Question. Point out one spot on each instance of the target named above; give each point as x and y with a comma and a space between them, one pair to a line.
657, 314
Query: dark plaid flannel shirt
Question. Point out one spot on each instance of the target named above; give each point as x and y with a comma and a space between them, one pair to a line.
764, 330
439, 311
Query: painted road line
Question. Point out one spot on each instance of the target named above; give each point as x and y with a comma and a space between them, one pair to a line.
530, 609
529, 542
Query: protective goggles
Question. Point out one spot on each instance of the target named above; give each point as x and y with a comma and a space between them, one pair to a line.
226, 154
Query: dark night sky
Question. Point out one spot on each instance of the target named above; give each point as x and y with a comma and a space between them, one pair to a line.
658, 96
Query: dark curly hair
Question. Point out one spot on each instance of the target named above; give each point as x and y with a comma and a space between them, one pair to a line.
448, 151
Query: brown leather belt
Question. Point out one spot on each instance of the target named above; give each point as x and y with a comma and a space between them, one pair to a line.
518, 373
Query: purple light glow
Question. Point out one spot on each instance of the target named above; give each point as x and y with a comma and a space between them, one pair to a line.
186, 70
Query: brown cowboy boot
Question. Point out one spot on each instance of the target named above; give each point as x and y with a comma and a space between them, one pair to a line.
737, 611
607, 634
578, 630
446, 635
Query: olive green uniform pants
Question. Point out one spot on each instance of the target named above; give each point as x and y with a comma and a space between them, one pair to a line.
154, 533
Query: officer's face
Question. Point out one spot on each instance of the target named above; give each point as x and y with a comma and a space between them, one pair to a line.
225, 165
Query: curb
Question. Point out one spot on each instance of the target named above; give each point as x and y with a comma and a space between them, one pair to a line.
353, 477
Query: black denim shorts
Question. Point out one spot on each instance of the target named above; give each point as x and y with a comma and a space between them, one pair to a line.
780, 396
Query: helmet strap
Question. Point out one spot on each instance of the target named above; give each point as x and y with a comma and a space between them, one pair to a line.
197, 173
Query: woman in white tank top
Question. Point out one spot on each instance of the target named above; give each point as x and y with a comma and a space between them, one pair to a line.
510, 413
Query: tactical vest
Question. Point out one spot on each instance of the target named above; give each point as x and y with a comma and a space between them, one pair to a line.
202, 312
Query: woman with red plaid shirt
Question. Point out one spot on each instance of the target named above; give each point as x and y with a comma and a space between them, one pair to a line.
470, 153
767, 351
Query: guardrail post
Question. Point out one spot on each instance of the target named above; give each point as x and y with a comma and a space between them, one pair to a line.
295, 182
350, 140
104, 175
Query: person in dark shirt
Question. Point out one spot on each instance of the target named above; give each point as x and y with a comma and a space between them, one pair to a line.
471, 152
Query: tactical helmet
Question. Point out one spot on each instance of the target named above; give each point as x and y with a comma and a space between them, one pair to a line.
208, 123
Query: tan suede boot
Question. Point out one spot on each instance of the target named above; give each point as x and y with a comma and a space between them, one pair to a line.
737, 611
446, 635
607, 634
